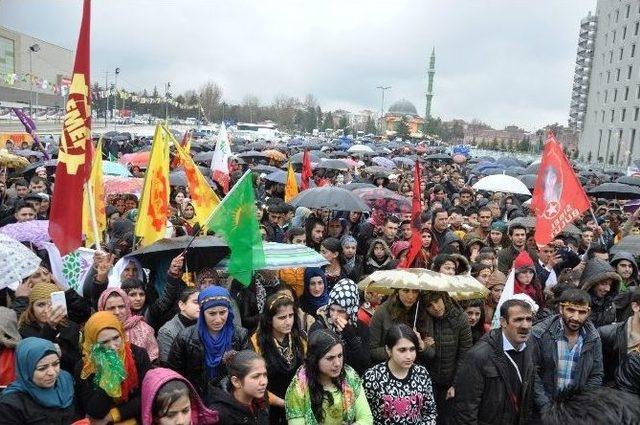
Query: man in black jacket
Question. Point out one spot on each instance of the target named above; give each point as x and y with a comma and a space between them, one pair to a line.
494, 385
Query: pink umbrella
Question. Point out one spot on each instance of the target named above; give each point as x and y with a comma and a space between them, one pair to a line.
34, 231
114, 185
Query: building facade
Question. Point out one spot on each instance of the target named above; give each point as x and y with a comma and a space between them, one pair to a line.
611, 129
399, 110
582, 75
32, 71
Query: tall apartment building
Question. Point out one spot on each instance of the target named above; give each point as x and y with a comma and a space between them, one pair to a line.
584, 60
611, 122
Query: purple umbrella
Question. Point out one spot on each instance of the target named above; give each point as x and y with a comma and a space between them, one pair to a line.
34, 231
383, 162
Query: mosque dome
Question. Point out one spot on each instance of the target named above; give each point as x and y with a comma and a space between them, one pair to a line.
403, 107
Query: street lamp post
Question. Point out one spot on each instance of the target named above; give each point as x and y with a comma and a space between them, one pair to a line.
166, 104
32, 49
115, 96
382, 90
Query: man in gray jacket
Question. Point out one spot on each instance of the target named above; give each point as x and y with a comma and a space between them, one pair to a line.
568, 349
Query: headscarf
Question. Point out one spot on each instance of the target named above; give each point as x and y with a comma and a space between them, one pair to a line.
120, 370
311, 304
349, 263
215, 345
206, 273
42, 291
28, 353
9, 337
138, 331
115, 279
345, 294
154, 380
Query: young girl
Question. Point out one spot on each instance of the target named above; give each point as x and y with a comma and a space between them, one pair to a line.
474, 310
278, 339
324, 390
245, 400
188, 316
169, 399
399, 390
331, 249
316, 293
379, 257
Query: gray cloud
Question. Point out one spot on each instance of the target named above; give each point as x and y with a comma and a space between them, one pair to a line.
502, 61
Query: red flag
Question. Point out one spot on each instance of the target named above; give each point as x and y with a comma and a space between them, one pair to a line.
74, 158
558, 197
306, 170
416, 210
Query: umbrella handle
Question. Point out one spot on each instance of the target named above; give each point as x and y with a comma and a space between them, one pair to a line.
415, 318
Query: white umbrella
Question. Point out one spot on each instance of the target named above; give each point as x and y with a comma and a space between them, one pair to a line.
502, 183
16, 262
360, 149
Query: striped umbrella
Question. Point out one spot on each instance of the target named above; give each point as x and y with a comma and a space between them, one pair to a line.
285, 256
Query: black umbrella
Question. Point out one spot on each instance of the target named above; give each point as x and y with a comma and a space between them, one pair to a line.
330, 197
333, 164
532, 169
615, 191
354, 186
253, 154
267, 169
280, 176
314, 156
439, 157
203, 156
29, 171
630, 243
630, 180
179, 178
375, 169
205, 251
529, 180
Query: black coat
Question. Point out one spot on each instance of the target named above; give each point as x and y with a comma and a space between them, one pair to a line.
628, 374
187, 358
484, 389
67, 338
614, 348
230, 411
96, 403
21, 409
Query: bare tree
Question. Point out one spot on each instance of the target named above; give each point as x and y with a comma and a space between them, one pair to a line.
210, 95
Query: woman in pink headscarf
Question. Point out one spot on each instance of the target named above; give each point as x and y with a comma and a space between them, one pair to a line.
138, 331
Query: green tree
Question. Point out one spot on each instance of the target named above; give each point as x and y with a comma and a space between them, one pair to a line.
370, 126
402, 128
328, 121
343, 123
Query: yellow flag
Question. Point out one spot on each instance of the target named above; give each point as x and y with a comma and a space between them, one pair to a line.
154, 200
291, 188
94, 188
202, 196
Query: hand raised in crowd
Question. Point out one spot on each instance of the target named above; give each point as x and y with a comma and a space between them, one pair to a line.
55, 315
175, 268
103, 262
24, 289
339, 323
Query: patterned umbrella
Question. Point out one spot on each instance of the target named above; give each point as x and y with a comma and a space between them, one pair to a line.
383, 162
16, 262
380, 198
116, 185
34, 231
284, 256
9, 160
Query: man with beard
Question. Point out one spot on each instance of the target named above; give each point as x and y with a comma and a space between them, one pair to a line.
518, 236
568, 350
495, 380
627, 268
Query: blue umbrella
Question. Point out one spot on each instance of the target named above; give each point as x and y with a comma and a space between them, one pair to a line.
383, 162
115, 169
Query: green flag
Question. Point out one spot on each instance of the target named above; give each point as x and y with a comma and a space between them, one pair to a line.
234, 220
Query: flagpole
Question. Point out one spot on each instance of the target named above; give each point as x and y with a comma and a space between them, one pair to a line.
593, 215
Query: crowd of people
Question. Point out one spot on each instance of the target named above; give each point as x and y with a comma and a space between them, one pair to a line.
304, 345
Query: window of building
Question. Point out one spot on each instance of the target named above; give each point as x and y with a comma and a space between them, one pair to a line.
615, 95
603, 115
608, 77
632, 142
7, 56
633, 50
606, 95
626, 93
613, 115
635, 114
617, 15
629, 71
618, 74
610, 56
628, 11
624, 33
613, 37
621, 53
623, 115
638, 92
635, 31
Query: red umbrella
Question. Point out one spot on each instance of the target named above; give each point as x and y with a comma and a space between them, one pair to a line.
114, 185
140, 159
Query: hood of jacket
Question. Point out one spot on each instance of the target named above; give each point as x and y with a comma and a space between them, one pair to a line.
597, 270
625, 255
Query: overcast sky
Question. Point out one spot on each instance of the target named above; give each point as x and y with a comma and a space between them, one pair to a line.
500, 61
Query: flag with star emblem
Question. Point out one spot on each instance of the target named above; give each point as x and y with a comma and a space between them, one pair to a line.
203, 198
74, 158
558, 197
234, 220
154, 199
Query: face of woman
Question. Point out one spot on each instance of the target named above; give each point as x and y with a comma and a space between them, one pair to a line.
403, 354
316, 286
448, 268
335, 312
188, 212
473, 314
349, 251
496, 292
330, 256
331, 363
436, 308
259, 214
216, 317
191, 308
116, 305
137, 297
426, 239
496, 236
129, 272
41, 309
354, 216
110, 338
179, 198
179, 413
525, 277
483, 276
282, 322
41, 275
254, 384
408, 297
47, 371
378, 251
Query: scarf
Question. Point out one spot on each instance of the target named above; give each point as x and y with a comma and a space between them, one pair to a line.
345, 294
215, 345
10, 336
311, 304
28, 353
349, 263
115, 275
107, 374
